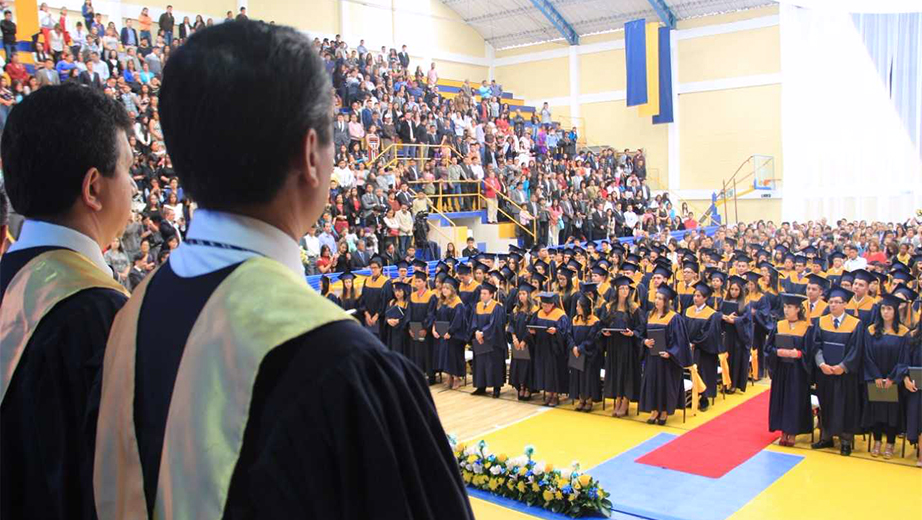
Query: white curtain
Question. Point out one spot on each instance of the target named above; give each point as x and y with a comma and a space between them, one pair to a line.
846, 150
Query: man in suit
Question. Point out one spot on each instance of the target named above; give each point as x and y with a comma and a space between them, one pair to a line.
48, 76
90, 77
598, 229
403, 57
340, 131
129, 35
406, 130
467, 174
360, 257
404, 197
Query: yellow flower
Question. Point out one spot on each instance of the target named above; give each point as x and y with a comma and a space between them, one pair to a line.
548, 496
535, 487
521, 487
494, 483
548, 468
561, 482
510, 485
467, 477
502, 458
460, 447
472, 458
558, 495
576, 486
522, 471
572, 497
584, 480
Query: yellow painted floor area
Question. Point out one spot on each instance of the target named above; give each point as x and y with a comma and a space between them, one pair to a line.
824, 485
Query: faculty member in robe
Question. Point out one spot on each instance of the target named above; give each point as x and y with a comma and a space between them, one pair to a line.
65, 166
323, 421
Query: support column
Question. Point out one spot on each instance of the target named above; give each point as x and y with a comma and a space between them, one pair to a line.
574, 82
490, 53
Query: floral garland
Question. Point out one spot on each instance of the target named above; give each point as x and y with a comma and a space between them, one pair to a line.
564, 491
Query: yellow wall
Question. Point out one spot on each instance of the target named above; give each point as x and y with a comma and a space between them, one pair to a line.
602, 71
460, 71
537, 79
309, 15
206, 8
614, 123
730, 55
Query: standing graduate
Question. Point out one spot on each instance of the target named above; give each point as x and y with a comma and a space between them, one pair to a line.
910, 395
796, 282
703, 325
394, 325
884, 342
788, 355
373, 301
449, 348
65, 167
584, 336
862, 305
326, 290
349, 298
522, 371
421, 308
311, 387
469, 290
718, 281
661, 389
737, 333
686, 287
838, 346
623, 349
814, 304
565, 290
551, 328
487, 330
759, 311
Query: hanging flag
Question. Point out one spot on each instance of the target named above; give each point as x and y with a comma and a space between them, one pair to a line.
651, 37
635, 51
665, 78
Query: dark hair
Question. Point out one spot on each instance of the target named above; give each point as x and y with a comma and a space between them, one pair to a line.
4, 212
879, 321
229, 152
52, 138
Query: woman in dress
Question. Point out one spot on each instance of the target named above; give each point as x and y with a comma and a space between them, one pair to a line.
787, 352
521, 371
449, 348
884, 342
622, 364
661, 388
584, 341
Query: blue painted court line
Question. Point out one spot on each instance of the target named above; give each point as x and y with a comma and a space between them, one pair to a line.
534, 511
665, 494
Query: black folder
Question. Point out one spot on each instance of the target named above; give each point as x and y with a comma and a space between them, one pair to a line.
915, 373
614, 331
659, 337
415, 328
523, 354
536, 327
480, 348
833, 353
728, 307
785, 341
394, 313
577, 363
442, 327
882, 395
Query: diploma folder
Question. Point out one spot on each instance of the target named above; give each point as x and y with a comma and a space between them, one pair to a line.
523, 354
786, 342
480, 348
415, 328
729, 307
442, 327
915, 373
577, 363
882, 395
659, 337
833, 353
536, 327
614, 331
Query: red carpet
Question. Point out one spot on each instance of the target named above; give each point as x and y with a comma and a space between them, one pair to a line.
719, 445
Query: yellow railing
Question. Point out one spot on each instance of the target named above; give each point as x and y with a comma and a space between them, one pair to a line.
747, 183
408, 152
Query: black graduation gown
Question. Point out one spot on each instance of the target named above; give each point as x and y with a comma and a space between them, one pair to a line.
421, 308
376, 293
737, 337
866, 311
760, 323
622, 362
396, 337
331, 398
522, 371
686, 295
585, 336
840, 396
449, 353
333, 298
490, 367
881, 361
704, 333
910, 402
470, 295
348, 304
48, 418
789, 408
550, 357
662, 386
795, 284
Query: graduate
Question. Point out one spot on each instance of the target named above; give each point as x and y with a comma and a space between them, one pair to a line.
522, 371
835, 271
658, 277
908, 315
449, 348
326, 290
487, 330
69, 177
814, 305
661, 389
838, 345
770, 284
395, 323
349, 298
421, 307
718, 280
862, 305
703, 326
469, 289
312, 388
796, 282
622, 346
566, 292
737, 333
376, 290
884, 342
758, 309
686, 287
910, 395
551, 328
584, 342
788, 356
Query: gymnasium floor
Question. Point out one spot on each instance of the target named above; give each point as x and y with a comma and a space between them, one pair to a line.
776, 482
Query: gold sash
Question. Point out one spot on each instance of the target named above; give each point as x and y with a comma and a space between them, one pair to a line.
42, 283
260, 306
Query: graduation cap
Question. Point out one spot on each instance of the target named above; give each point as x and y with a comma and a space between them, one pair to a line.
739, 280
574, 266
790, 256
902, 276
617, 247
535, 249
732, 241
488, 286
497, 276
816, 279
864, 274
538, 277
376, 260
716, 273
451, 261
915, 259
847, 277
564, 271
525, 286
809, 250
439, 276
704, 289
486, 256
548, 297
793, 299
767, 265
800, 259
579, 250
840, 292
420, 265
742, 257
781, 247
480, 266
464, 268
542, 264
763, 252
517, 256
665, 262
516, 249
502, 257
604, 264
643, 251
589, 288
402, 286
666, 291
453, 282
422, 275
629, 266
693, 266
441, 266
753, 277
904, 291
599, 270
348, 275
568, 251
507, 273
836, 254
662, 271
622, 280
632, 258
891, 300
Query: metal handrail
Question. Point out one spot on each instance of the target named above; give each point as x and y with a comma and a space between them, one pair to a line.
534, 222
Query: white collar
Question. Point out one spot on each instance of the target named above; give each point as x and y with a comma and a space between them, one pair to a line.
256, 236
699, 309
36, 233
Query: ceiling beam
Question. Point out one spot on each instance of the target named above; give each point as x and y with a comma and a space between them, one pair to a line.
664, 12
558, 21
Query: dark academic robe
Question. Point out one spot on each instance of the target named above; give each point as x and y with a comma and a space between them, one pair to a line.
704, 333
865, 310
795, 283
568, 302
881, 361
840, 396
522, 371
48, 419
421, 308
789, 408
331, 398
833, 275
396, 337
373, 300
585, 336
911, 402
760, 323
550, 358
622, 362
470, 294
489, 367
662, 386
333, 298
686, 295
349, 303
737, 337
449, 353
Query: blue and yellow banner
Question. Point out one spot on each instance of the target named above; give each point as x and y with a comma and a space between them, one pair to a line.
648, 56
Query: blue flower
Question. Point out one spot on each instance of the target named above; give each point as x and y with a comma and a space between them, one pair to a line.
529, 473
567, 489
593, 494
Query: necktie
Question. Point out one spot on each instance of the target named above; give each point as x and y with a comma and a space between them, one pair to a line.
835, 322
812, 305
